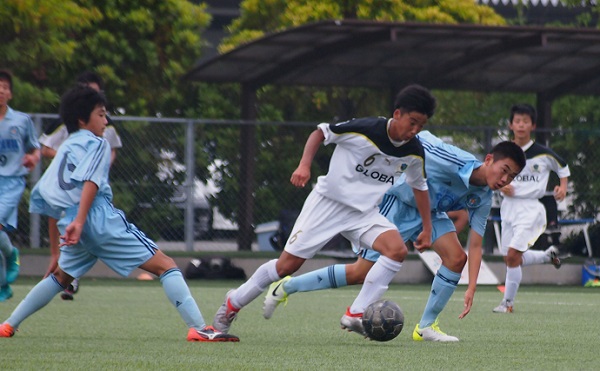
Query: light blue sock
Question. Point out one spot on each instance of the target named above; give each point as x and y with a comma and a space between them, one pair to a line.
6, 247
179, 294
333, 276
2, 269
442, 288
40, 295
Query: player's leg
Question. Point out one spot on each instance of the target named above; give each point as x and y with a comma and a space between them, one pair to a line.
265, 275
448, 247
40, 295
333, 276
11, 256
178, 293
317, 223
393, 251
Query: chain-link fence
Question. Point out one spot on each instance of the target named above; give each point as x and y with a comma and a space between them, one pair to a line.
196, 181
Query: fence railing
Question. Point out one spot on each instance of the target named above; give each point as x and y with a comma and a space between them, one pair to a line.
182, 179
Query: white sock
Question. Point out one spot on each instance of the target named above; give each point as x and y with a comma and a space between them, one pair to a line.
265, 275
513, 280
531, 257
376, 283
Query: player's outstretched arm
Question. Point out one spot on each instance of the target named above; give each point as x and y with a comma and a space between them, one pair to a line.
474, 262
424, 239
302, 173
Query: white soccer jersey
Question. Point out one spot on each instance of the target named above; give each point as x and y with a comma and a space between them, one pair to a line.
531, 183
60, 134
82, 157
365, 163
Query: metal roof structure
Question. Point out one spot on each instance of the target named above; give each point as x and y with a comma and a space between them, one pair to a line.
549, 61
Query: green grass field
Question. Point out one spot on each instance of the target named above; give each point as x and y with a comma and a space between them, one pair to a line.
130, 325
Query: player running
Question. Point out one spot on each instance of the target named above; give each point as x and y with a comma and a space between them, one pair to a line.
456, 181
75, 191
369, 154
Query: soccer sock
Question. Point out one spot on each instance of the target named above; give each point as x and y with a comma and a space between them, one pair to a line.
442, 288
2, 269
333, 276
6, 246
376, 283
531, 257
180, 296
40, 295
265, 275
512, 282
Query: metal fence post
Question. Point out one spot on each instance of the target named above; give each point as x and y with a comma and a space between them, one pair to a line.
34, 219
189, 185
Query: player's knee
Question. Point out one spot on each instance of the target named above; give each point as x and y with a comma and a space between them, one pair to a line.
286, 267
456, 262
396, 252
63, 278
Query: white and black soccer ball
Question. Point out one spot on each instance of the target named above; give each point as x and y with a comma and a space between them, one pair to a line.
383, 320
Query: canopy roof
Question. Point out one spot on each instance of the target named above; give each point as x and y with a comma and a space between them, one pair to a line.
552, 61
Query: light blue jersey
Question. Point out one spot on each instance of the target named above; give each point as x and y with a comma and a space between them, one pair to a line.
106, 235
17, 137
448, 171
82, 157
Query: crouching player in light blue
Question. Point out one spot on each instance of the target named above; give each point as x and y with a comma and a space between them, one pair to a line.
456, 181
75, 190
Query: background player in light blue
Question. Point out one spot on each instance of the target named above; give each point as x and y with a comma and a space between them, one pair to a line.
75, 190
19, 154
456, 180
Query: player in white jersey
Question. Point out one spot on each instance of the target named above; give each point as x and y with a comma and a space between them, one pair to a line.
54, 135
75, 190
523, 215
19, 154
370, 154
456, 181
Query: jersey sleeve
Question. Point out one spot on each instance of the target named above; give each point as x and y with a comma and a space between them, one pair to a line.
31, 141
113, 138
94, 165
56, 138
478, 217
415, 174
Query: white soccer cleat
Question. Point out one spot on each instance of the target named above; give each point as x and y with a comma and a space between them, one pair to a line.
353, 322
225, 315
506, 306
275, 296
552, 253
432, 333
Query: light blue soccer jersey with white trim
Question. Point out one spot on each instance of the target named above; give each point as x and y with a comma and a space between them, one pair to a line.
17, 137
448, 171
82, 157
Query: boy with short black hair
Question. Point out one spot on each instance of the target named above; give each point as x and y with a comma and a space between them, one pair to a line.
75, 190
19, 154
370, 154
523, 215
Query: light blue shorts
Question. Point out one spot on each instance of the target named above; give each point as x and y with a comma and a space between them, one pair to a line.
12, 188
408, 221
107, 236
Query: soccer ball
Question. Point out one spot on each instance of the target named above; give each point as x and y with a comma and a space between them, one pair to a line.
383, 320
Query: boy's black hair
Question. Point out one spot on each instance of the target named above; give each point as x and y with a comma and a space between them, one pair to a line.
88, 77
78, 104
523, 109
415, 98
510, 150
6, 76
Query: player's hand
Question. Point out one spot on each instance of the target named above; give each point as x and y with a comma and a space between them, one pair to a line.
508, 190
469, 294
300, 176
423, 241
29, 161
559, 193
72, 234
